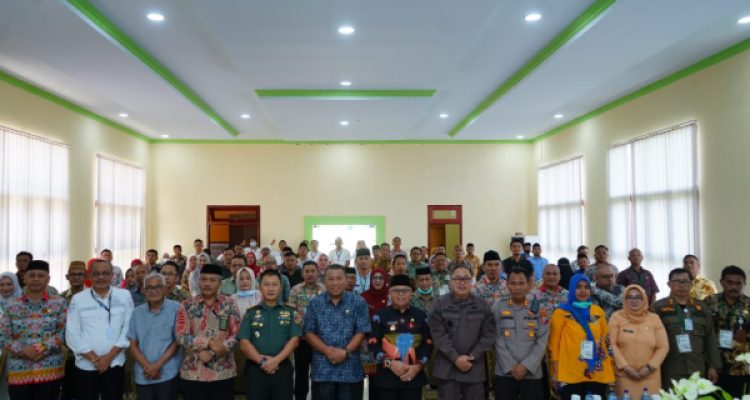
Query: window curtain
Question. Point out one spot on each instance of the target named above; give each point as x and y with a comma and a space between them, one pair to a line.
120, 209
653, 190
560, 209
34, 206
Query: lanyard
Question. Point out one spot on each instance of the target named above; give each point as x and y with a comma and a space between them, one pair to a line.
683, 314
107, 307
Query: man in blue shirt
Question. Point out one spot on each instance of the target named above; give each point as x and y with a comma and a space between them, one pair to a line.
538, 261
335, 324
153, 343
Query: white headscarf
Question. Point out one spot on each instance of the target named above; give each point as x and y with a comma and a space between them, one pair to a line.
16, 293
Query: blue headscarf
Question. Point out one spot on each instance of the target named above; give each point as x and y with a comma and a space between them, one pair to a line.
581, 312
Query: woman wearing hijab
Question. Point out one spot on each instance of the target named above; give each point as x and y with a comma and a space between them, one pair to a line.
252, 263
246, 296
580, 362
377, 295
639, 344
9, 290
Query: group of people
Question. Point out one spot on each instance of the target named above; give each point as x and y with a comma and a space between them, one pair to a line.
268, 323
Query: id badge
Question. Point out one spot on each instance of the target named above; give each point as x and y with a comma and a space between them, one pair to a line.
587, 350
688, 324
443, 290
725, 339
683, 343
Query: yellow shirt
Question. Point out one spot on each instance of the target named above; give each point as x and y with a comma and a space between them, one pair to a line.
702, 288
564, 345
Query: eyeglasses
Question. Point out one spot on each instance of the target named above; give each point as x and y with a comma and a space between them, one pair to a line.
462, 279
378, 278
154, 288
680, 282
634, 298
101, 274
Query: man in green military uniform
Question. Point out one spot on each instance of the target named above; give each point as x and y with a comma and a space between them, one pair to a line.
268, 336
692, 340
730, 311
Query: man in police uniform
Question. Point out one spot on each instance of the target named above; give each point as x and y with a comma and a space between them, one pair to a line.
692, 341
401, 343
730, 311
463, 330
268, 336
521, 342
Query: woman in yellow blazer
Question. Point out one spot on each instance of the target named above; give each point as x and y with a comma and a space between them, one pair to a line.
579, 344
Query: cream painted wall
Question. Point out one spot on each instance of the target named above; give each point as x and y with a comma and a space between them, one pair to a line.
29, 113
719, 99
494, 183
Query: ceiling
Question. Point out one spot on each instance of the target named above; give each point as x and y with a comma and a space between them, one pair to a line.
497, 76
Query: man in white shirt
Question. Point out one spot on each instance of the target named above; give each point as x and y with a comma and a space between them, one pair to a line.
340, 255
314, 253
117, 276
96, 332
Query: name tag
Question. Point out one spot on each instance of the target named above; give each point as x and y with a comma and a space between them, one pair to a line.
683, 343
587, 350
688, 324
725, 339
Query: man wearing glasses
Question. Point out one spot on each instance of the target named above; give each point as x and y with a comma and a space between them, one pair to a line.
97, 324
693, 345
463, 330
153, 343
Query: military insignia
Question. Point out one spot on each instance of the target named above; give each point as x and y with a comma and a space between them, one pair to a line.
257, 334
392, 328
531, 324
506, 332
532, 333
506, 312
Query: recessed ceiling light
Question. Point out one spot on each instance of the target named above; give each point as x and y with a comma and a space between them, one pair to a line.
744, 20
156, 17
344, 123
443, 115
123, 115
346, 30
345, 83
533, 17
245, 116
165, 136
558, 116
519, 137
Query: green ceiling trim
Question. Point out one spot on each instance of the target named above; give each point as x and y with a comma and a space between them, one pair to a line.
378, 221
579, 25
668, 80
342, 94
36, 90
97, 20
327, 142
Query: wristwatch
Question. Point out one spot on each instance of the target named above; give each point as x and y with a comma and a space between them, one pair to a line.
213, 353
387, 363
262, 361
348, 353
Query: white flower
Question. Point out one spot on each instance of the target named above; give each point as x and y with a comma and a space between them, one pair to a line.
687, 389
671, 396
705, 386
744, 357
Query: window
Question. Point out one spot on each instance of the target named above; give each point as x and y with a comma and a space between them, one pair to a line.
653, 199
34, 212
560, 208
121, 194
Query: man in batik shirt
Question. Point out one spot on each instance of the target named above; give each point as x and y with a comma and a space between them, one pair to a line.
730, 310
490, 287
701, 287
